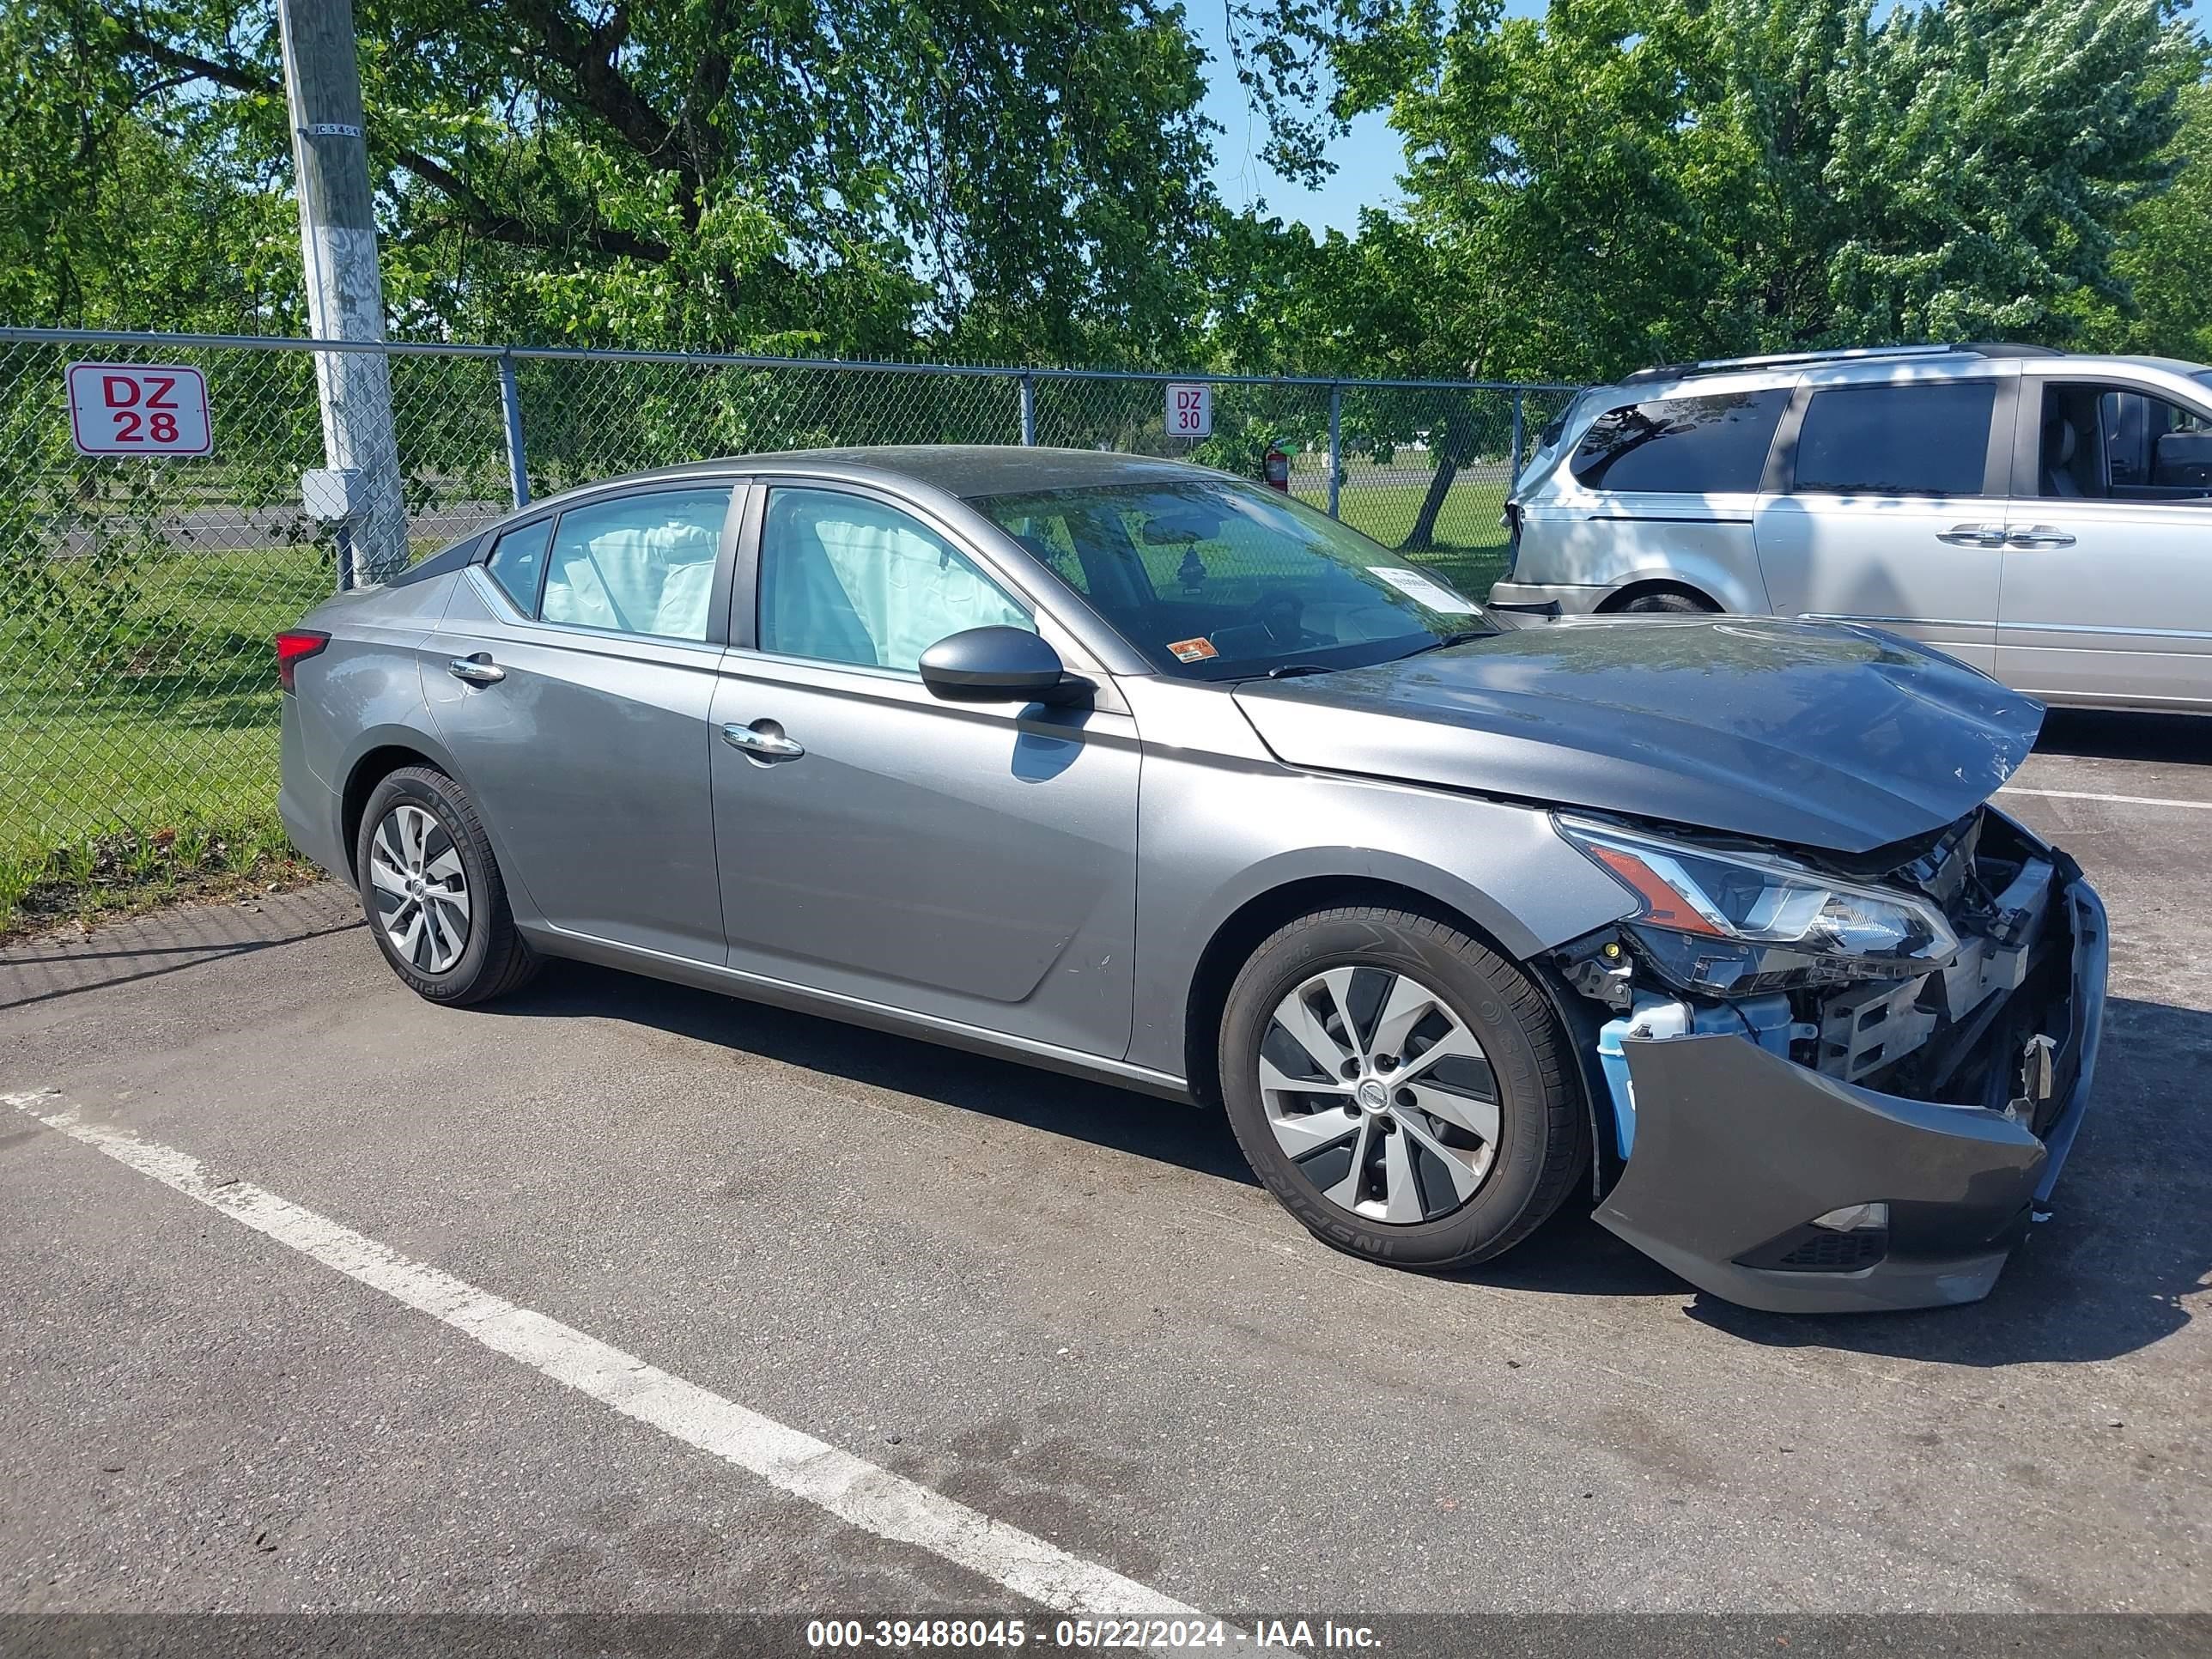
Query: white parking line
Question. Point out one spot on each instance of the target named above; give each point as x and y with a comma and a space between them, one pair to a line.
2116, 800
850, 1488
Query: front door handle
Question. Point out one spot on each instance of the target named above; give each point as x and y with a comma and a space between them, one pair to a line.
764, 739
2041, 535
1973, 535
478, 670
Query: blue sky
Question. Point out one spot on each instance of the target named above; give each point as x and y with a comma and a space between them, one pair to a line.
1367, 158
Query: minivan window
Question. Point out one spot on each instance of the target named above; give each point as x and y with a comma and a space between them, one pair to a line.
1932, 439
1688, 446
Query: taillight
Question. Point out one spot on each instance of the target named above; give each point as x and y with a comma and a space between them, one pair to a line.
293, 647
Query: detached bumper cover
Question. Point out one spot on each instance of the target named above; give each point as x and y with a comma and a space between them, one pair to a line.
1736, 1147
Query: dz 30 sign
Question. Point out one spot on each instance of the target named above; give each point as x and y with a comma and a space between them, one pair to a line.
138, 408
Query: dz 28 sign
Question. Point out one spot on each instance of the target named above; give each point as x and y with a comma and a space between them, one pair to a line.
138, 408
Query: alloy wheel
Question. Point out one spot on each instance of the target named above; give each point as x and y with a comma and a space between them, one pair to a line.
421, 889
1380, 1094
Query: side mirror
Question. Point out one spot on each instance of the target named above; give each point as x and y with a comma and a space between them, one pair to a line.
999, 664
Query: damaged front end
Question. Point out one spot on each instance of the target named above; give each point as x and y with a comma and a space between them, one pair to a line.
1839, 1084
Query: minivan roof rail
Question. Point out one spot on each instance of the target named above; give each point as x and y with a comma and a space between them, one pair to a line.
1842, 355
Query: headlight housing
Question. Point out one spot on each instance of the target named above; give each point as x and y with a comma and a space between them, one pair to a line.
1740, 924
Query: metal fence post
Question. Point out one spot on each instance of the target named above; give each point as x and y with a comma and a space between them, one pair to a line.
1029, 411
510, 403
1335, 447
1513, 472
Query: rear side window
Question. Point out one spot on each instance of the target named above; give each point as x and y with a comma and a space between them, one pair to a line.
1688, 446
638, 564
1929, 439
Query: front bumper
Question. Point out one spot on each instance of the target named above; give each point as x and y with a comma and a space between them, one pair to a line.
1737, 1148
1573, 600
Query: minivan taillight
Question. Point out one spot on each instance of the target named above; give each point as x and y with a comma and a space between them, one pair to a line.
293, 647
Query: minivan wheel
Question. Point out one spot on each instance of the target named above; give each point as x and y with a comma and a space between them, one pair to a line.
1667, 600
432, 891
1402, 1089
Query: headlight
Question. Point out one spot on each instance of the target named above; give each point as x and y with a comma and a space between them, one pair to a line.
1735, 923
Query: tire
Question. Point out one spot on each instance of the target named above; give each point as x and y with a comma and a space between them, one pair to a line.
1472, 1196
1666, 600
426, 877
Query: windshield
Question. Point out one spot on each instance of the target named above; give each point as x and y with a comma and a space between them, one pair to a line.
1227, 580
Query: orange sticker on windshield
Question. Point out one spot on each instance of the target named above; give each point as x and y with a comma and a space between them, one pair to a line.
1193, 650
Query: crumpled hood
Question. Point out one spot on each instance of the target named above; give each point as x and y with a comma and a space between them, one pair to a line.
1815, 734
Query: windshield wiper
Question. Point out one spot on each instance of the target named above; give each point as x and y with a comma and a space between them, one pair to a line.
1290, 671
1465, 636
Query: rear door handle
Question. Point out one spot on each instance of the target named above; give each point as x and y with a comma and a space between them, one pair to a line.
2041, 535
1973, 535
478, 670
762, 738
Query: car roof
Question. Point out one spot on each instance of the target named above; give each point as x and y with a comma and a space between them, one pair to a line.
966, 471
1875, 364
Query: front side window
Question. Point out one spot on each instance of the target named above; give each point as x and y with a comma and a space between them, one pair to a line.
2108, 442
1931, 438
1685, 446
848, 580
638, 564
1229, 581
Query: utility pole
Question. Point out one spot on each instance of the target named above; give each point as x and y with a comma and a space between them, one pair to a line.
345, 295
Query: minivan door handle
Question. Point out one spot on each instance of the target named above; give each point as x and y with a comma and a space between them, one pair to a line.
478, 670
2041, 535
1973, 535
764, 739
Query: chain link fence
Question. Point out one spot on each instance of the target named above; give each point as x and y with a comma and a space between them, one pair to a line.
138, 594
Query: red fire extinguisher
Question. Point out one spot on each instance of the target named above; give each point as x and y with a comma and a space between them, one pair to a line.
1276, 468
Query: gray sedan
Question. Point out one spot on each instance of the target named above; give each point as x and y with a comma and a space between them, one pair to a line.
1127, 770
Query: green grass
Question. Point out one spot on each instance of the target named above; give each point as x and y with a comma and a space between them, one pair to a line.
1469, 549
138, 742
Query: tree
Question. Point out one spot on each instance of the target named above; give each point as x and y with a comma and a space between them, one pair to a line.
1023, 177
111, 195
2165, 256
1626, 181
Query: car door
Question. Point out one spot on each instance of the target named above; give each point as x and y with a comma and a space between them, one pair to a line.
974, 863
1886, 502
2107, 593
579, 668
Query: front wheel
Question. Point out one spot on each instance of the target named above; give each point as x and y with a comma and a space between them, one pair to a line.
433, 894
1403, 1090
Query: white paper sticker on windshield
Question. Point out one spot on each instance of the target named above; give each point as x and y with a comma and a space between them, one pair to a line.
1425, 591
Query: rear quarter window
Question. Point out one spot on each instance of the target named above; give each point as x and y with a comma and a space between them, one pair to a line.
1686, 445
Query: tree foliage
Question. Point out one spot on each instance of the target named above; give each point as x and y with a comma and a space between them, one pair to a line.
1024, 177
1621, 182
1609, 183
2165, 257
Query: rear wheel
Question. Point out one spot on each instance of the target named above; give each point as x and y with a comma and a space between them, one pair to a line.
432, 891
1670, 599
1403, 1090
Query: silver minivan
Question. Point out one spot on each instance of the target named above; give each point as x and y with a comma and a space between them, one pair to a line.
2043, 516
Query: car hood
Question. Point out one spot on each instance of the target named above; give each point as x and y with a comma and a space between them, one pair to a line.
1814, 734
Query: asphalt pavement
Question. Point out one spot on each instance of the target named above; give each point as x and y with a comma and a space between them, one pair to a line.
260, 1209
